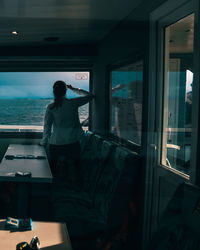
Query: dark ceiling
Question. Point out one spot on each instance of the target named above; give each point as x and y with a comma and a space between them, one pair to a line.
60, 22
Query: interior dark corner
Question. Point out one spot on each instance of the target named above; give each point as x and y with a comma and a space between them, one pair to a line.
132, 70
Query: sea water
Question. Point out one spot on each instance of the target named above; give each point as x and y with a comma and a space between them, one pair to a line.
28, 112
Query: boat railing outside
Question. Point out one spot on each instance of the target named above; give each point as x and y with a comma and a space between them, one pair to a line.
24, 128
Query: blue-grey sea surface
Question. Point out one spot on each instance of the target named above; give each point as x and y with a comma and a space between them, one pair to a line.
29, 111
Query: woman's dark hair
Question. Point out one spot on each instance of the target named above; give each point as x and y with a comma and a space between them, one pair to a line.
59, 91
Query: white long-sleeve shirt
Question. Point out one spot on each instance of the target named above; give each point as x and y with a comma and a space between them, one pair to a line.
62, 124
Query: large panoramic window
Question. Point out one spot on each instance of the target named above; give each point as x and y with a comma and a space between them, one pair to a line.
126, 102
178, 79
24, 97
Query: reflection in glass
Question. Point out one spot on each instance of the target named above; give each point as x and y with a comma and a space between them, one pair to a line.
178, 78
126, 102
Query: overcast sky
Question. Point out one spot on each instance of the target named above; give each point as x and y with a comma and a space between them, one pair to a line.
38, 84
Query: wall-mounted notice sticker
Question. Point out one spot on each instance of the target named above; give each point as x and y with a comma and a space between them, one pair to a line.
81, 76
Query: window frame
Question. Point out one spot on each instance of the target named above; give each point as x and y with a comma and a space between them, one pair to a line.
44, 64
188, 8
165, 98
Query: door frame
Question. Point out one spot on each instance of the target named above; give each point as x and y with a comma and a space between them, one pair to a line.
169, 12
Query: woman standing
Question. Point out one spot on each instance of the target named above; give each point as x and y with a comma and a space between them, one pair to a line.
62, 130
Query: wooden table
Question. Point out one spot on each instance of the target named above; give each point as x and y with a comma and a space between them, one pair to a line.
39, 168
52, 236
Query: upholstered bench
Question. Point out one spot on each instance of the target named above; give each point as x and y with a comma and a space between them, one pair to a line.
86, 208
92, 164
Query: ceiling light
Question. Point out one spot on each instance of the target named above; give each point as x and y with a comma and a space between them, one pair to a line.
14, 32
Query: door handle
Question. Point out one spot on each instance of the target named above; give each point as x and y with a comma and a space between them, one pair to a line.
154, 146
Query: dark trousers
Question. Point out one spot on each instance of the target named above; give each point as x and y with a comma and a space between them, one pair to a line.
65, 160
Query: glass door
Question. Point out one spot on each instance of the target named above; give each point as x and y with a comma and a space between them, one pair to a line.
177, 92
171, 123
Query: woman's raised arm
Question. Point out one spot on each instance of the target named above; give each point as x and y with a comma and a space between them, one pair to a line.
78, 90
